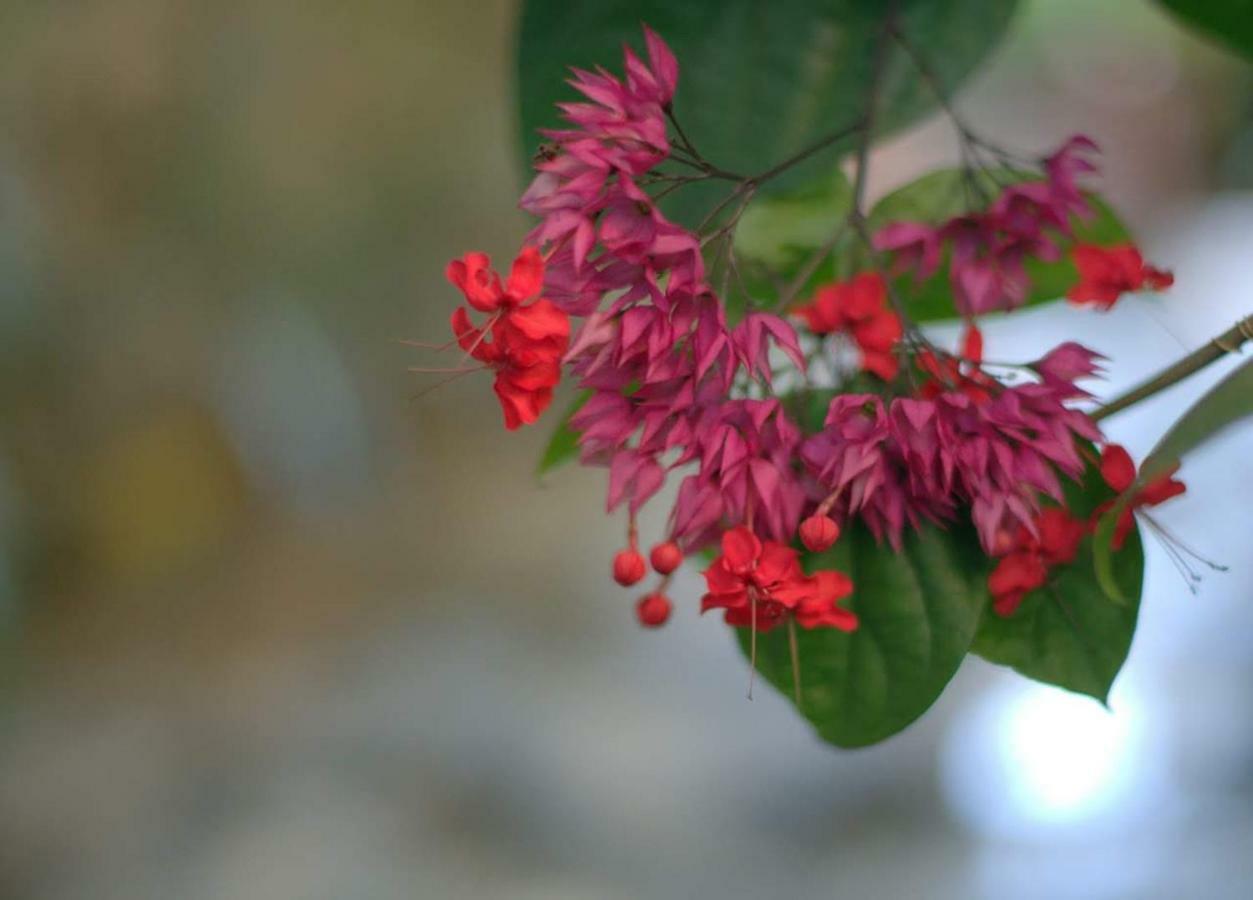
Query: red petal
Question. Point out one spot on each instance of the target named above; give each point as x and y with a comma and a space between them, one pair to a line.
740, 548
972, 344
1117, 468
526, 276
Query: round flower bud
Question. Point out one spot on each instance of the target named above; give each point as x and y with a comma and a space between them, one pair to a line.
628, 567
666, 557
818, 533
653, 610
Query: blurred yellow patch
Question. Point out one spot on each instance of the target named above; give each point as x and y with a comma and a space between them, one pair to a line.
162, 495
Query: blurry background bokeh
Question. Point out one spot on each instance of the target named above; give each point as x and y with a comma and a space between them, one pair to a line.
270, 628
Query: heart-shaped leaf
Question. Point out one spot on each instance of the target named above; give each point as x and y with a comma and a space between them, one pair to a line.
918, 612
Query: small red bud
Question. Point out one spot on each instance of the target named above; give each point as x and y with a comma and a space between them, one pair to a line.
628, 567
653, 610
666, 557
818, 533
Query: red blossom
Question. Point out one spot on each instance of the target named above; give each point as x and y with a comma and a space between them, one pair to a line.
522, 342
762, 583
1053, 540
1119, 473
1106, 273
858, 307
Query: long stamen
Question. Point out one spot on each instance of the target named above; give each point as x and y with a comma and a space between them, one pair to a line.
439, 384
482, 334
752, 641
427, 370
1174, 539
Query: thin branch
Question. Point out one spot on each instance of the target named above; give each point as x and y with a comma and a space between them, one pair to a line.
1229, 341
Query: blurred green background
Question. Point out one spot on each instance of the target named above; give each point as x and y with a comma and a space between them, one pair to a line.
272, 628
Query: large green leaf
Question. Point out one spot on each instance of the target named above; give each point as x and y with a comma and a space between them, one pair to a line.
918, 609
1230, 22
1230, 401
943, 194
759, 82
1068, 633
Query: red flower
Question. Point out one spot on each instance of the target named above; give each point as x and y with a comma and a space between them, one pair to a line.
962, 374
761, 583
1015, 576
1106, 273
859, 308
1119, 473
523, 343
474, 276
1055, 542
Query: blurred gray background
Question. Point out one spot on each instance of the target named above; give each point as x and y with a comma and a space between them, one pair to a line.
270, 628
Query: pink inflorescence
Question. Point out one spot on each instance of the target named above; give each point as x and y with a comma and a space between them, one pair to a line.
673, 388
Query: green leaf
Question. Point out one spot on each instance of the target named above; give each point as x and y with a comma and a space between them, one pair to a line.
778, 234
759, 82
1229, 22
941, 195
563, 445
781, 231
918, 609
1225, 404
1068, 633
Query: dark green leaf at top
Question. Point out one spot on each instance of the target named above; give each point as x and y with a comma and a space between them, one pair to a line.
1229, 22
759, 82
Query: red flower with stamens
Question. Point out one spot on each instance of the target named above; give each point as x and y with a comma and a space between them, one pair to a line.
522, 342
761, 583
1106, 273
1119, 473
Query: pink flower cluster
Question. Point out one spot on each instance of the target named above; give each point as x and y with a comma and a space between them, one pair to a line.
913, 459
987, 249
673, 388
659, 357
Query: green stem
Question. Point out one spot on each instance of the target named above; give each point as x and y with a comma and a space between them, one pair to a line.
1229, 341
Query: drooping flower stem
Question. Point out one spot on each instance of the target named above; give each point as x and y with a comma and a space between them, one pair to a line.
1229, 341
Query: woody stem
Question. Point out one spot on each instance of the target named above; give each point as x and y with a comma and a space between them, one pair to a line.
1229, 341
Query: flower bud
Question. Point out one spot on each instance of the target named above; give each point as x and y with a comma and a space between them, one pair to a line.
653, 610
818, 533
628, 567
666, 557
